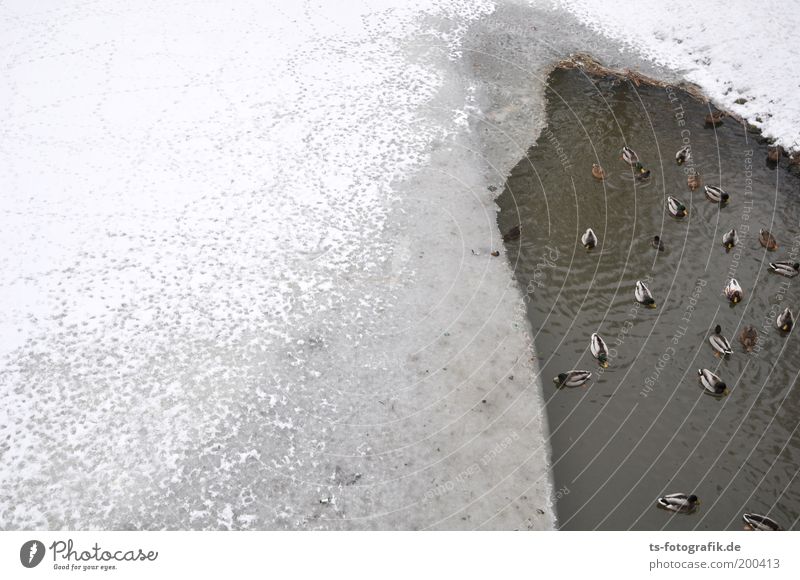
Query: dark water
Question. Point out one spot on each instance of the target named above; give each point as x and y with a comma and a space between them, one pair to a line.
643, 427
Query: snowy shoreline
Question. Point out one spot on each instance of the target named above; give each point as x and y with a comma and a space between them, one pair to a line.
252, 286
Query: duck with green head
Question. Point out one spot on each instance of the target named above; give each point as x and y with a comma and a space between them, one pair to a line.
785, 320
683, 155
719, 343
629, 156
785, 268
574, 378
733, 291
759, 523
643, 295
712, 384
675, 207
599, 350
679, 502
730, 239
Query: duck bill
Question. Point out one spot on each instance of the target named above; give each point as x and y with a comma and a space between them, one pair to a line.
604, 364
652, 305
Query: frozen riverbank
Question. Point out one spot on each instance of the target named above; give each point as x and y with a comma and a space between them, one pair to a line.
744, 57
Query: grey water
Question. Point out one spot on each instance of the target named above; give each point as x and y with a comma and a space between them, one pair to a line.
643, 427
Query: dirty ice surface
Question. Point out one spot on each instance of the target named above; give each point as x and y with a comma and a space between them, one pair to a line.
745, 56
218, 311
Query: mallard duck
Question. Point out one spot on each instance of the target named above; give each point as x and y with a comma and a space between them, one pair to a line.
598, 172
572, 378
643, 295
714, 118
640, 172
512, 234
712, 384
785, 268
675, 207
657, 243
785, 320
599, 350
733, 291
730, 239
693, 180
774, 154
719, 343
748, 337
589, 239
629, 156
679, 502
767, 240
759, 523
717, 194
683, 155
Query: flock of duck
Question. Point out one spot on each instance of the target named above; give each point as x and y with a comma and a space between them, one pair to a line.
711, 383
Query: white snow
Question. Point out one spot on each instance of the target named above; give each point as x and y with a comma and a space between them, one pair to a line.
733, 49
194, 205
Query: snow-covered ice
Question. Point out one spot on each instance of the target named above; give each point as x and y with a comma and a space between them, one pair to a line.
213, 314
745, 56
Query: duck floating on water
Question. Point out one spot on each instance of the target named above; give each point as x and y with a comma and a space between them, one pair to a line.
589, 239
749, 338
679, 502
717, 194
599, 350
675, 207
683, 155
512, 234
730, 239
643, 295
714, 118
657, 243
598, 172
693, 180
711, 383
572, 378
774, 154
767, 240
785, 268
719, 343
759, 523
785, 320
640, 172
733, 291
629, 156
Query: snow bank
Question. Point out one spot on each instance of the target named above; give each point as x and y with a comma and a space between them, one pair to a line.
735, 50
